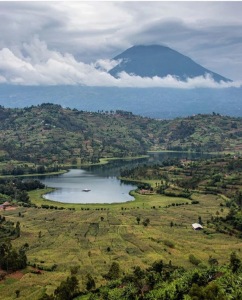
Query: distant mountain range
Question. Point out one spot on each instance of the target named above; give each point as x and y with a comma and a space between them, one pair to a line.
155, 60
165, 103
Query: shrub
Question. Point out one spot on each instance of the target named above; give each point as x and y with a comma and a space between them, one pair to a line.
114, 272
74, 270
146, 222
90, 282
169, 244
194, 260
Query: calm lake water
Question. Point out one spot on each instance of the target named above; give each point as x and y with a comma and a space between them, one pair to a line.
101, 180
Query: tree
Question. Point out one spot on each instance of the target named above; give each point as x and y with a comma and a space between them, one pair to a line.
114, 272
212, 261
158, 266
10, 259
67, 289
17, 292
212, 292
18, 229
235, 262
139, 273
90, 282
196, 292
74, 161
23, 197
138, 220
146, 222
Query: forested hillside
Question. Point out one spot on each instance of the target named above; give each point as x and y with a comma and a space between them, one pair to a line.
49, 133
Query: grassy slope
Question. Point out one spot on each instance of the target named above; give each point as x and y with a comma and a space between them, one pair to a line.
81, 238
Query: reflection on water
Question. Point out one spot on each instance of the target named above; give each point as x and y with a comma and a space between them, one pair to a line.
104, 189
101, 180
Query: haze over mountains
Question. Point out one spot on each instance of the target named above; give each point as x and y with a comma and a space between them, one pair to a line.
157, 101
161, 61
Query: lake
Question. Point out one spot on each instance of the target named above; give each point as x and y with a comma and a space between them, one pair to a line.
102, 180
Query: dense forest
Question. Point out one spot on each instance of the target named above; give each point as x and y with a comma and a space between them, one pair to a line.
47, 134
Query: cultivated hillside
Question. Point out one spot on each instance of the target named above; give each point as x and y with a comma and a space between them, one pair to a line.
51, 133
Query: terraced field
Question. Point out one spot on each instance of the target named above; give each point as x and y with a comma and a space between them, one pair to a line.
94, 238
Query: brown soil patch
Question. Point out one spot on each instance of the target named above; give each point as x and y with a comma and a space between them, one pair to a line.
2, 276
16, 275
9, 208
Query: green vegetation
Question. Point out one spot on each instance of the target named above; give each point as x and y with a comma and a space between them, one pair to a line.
10, 259
45, 138
15, 190
65, 291
143, 249
105, 241
220, 176
165, 281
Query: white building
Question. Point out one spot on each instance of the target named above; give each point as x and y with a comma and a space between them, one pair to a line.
197, 226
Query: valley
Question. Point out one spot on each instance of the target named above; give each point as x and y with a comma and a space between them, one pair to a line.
155, 226
120, 150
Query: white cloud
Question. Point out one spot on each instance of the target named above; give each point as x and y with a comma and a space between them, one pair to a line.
208, 32
2, 79
169, 81
106, 64
37, 65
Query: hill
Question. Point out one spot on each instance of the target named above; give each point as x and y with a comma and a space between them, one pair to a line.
155, 60
48, 133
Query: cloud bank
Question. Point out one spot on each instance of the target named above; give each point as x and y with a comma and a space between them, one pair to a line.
35, 64
208, 32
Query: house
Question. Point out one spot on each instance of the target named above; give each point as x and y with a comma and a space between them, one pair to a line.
6, 204
197, 226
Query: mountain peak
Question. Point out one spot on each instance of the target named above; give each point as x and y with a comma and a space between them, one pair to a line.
156, 60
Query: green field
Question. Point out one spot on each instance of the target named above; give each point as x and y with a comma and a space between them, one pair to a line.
69, 238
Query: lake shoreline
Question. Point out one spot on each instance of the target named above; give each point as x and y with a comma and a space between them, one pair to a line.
107, 160
37, 198
103, 161
109, 197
